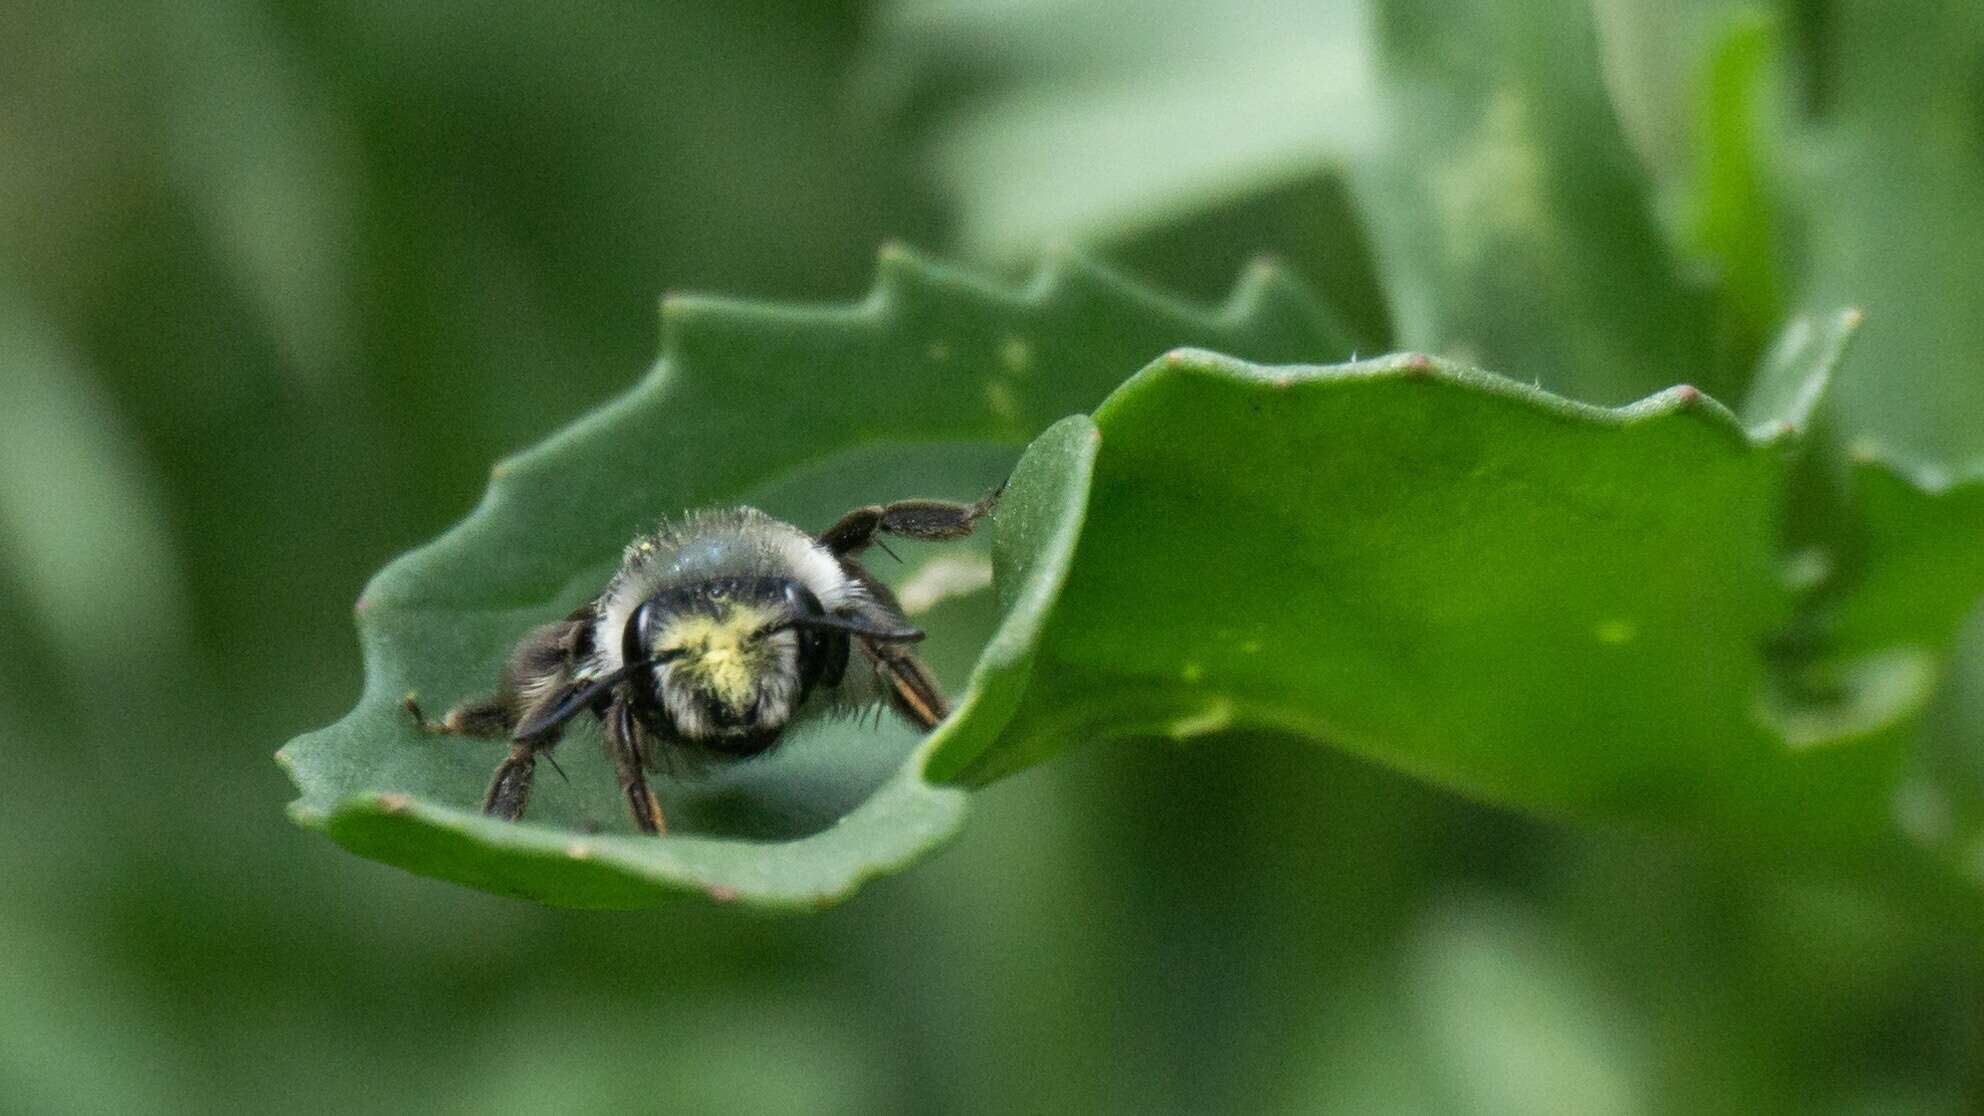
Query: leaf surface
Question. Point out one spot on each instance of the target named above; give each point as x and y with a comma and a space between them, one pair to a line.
1551, 605
929, 388
1565, 608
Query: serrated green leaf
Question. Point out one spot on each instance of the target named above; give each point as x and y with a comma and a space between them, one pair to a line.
1556, 606
930, 387
1798, 370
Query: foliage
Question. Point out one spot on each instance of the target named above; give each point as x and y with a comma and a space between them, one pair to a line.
929, 361
1348, 554
278, 281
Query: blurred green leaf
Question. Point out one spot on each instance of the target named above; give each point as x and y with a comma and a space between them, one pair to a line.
1309, 225
1923, 539
80, 526
784, 408
1795, 375
1061, 119
1895, 190
1701, 93
1651, 58
1178, 137
1513, 227
1920, 575
1519, 1026
1738, 205
1942, 799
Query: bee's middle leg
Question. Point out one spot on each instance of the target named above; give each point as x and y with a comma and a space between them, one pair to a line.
623, 738
509, 790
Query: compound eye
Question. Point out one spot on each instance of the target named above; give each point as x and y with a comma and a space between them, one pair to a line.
801, 600
634, 640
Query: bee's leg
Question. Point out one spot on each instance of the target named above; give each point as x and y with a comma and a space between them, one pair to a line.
509, 790
907, 684
542, 661
470, 718
539, 695
934, 520
623, 739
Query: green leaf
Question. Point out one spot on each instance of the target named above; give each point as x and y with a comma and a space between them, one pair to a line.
1179, 142
930, 387
1896, 196
1519, 1021
1922, 541
1895, 190
1919, 574
1063, 119
1942, 798
1797, 372
1512, 225
1737, 203
1562, 607
1700, 93
1542, 603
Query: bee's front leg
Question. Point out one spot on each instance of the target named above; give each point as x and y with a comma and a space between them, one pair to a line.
931, 520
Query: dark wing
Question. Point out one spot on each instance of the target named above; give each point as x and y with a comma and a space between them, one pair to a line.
907, 684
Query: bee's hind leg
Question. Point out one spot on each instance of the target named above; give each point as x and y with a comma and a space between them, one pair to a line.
490, 717
509, 789
538, 696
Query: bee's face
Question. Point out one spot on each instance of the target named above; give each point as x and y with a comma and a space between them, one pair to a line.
725, 673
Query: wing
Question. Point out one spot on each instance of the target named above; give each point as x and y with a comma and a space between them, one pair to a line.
906, 683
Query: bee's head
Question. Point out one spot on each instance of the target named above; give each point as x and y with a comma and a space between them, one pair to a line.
720, 665
729, 660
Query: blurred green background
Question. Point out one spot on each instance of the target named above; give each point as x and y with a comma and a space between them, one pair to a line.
278, 281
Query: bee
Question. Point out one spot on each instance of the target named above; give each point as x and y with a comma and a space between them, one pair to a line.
718, 632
